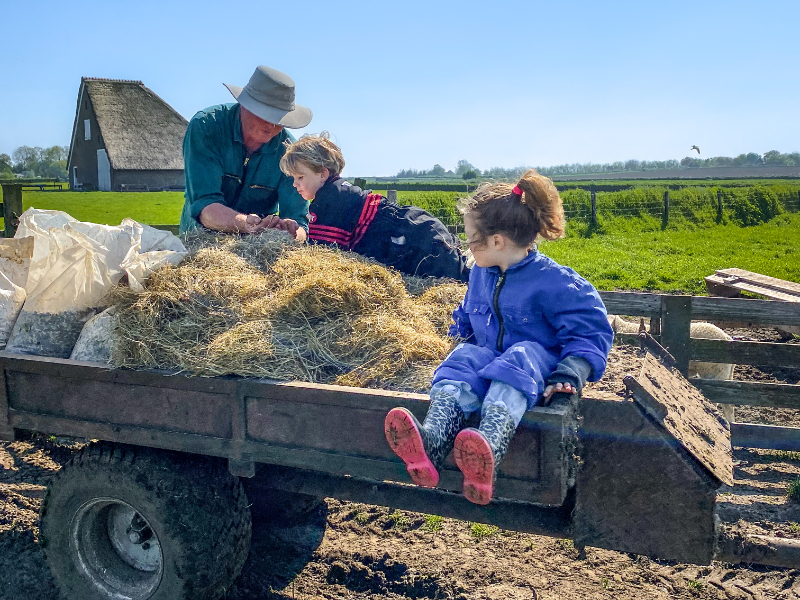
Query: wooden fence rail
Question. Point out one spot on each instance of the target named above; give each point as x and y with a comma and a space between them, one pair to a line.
671, 318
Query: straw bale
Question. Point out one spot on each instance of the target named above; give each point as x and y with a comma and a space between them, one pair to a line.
264, 306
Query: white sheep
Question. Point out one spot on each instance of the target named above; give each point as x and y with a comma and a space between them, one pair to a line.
703, 370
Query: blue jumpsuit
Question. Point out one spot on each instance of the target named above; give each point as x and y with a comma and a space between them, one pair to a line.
534, 324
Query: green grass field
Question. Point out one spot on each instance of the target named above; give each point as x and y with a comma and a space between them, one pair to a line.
109, 208
678, 260
632, 254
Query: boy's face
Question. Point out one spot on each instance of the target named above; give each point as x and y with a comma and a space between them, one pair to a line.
307, 182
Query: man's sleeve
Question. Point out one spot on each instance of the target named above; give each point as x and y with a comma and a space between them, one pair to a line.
291, 204
202, 165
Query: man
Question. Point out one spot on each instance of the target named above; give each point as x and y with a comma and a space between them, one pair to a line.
232, 153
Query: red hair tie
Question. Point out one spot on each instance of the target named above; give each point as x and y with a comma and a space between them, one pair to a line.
517, 190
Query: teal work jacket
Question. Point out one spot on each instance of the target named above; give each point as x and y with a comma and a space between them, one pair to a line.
218, 170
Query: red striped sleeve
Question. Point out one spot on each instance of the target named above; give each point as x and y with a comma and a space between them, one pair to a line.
329, 234
367, 215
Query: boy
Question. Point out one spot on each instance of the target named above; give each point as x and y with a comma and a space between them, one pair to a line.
406, 238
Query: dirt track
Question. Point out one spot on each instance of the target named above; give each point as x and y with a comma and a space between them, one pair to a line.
351, 551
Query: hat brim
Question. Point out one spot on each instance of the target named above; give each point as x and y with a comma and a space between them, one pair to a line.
293, 119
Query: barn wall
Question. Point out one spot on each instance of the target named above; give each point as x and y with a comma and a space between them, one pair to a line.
84, 152
147, 180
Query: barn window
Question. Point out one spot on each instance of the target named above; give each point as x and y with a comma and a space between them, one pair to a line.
87, 130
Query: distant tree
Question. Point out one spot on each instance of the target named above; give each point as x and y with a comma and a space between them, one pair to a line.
463, 166
774, 158
437, 171
469, 175
26, 158
5, 167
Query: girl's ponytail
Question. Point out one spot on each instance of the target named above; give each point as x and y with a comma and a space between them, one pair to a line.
541, 197
521, 212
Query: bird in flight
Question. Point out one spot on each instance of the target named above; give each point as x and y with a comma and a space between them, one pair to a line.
695, 148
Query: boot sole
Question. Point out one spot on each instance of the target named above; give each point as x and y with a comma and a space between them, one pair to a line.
405, 440
475, 459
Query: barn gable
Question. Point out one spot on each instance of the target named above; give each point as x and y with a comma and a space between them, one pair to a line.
127, 134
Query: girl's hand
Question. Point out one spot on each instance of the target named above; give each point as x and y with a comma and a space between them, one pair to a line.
557, 388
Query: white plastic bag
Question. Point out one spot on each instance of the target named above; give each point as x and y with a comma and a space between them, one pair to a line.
94, 342
12, 297
74, 266
15, 259
36, 223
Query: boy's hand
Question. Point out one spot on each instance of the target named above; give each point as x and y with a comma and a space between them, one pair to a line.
565, 388
292, 228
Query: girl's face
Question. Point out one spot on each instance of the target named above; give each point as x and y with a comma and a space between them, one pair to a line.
307, 182
495, 251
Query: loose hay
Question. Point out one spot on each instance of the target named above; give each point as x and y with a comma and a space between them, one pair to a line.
263, 306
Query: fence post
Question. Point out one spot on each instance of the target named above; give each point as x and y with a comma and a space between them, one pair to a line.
594, 206
665, 218
360, 182
12, 207
719, 206
676, 323
391, 195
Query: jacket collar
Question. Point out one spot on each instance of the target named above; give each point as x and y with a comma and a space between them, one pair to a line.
528, 259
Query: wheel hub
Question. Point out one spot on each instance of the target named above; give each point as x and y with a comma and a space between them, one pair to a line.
115, 548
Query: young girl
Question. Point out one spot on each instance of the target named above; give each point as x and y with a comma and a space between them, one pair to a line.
530, 328
406, 238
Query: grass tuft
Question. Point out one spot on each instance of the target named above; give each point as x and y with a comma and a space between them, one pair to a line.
793, 490
480, 531
433, 523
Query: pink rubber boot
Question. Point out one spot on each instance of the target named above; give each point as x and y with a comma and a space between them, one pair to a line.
478, 452
424, 447
405, 439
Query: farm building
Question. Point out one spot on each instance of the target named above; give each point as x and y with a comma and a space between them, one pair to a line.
125, 138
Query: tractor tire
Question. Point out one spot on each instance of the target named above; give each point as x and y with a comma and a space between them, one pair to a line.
128, 522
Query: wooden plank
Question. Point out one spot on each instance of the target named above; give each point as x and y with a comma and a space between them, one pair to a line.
632, 303
683, 411
392, 470
159, 408
745, 353
73, 369
749, 393
767, 312
676, 318
781, 285
6, 431
515, 516
767, 437
721, 286
138, 436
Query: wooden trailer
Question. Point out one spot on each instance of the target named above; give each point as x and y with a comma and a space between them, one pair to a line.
155, 507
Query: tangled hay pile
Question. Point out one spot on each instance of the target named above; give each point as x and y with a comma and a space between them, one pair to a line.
263, 306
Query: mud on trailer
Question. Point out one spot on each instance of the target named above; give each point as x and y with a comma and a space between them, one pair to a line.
157, 508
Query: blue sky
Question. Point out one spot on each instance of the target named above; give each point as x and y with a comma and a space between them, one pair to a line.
410, 84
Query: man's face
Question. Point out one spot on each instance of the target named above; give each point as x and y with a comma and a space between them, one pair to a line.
257, 131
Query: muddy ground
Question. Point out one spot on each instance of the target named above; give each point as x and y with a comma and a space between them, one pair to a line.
353, 551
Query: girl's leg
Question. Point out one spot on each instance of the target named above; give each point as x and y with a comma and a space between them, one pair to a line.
423, 447
478, 452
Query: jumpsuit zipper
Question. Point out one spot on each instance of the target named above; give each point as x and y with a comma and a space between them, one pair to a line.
501, 331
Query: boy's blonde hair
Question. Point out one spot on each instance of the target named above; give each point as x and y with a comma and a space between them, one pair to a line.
316, 152
535, 212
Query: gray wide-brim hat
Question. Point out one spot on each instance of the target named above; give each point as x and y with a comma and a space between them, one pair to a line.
269, 95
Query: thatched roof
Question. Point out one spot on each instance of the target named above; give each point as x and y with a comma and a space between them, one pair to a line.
139, 129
